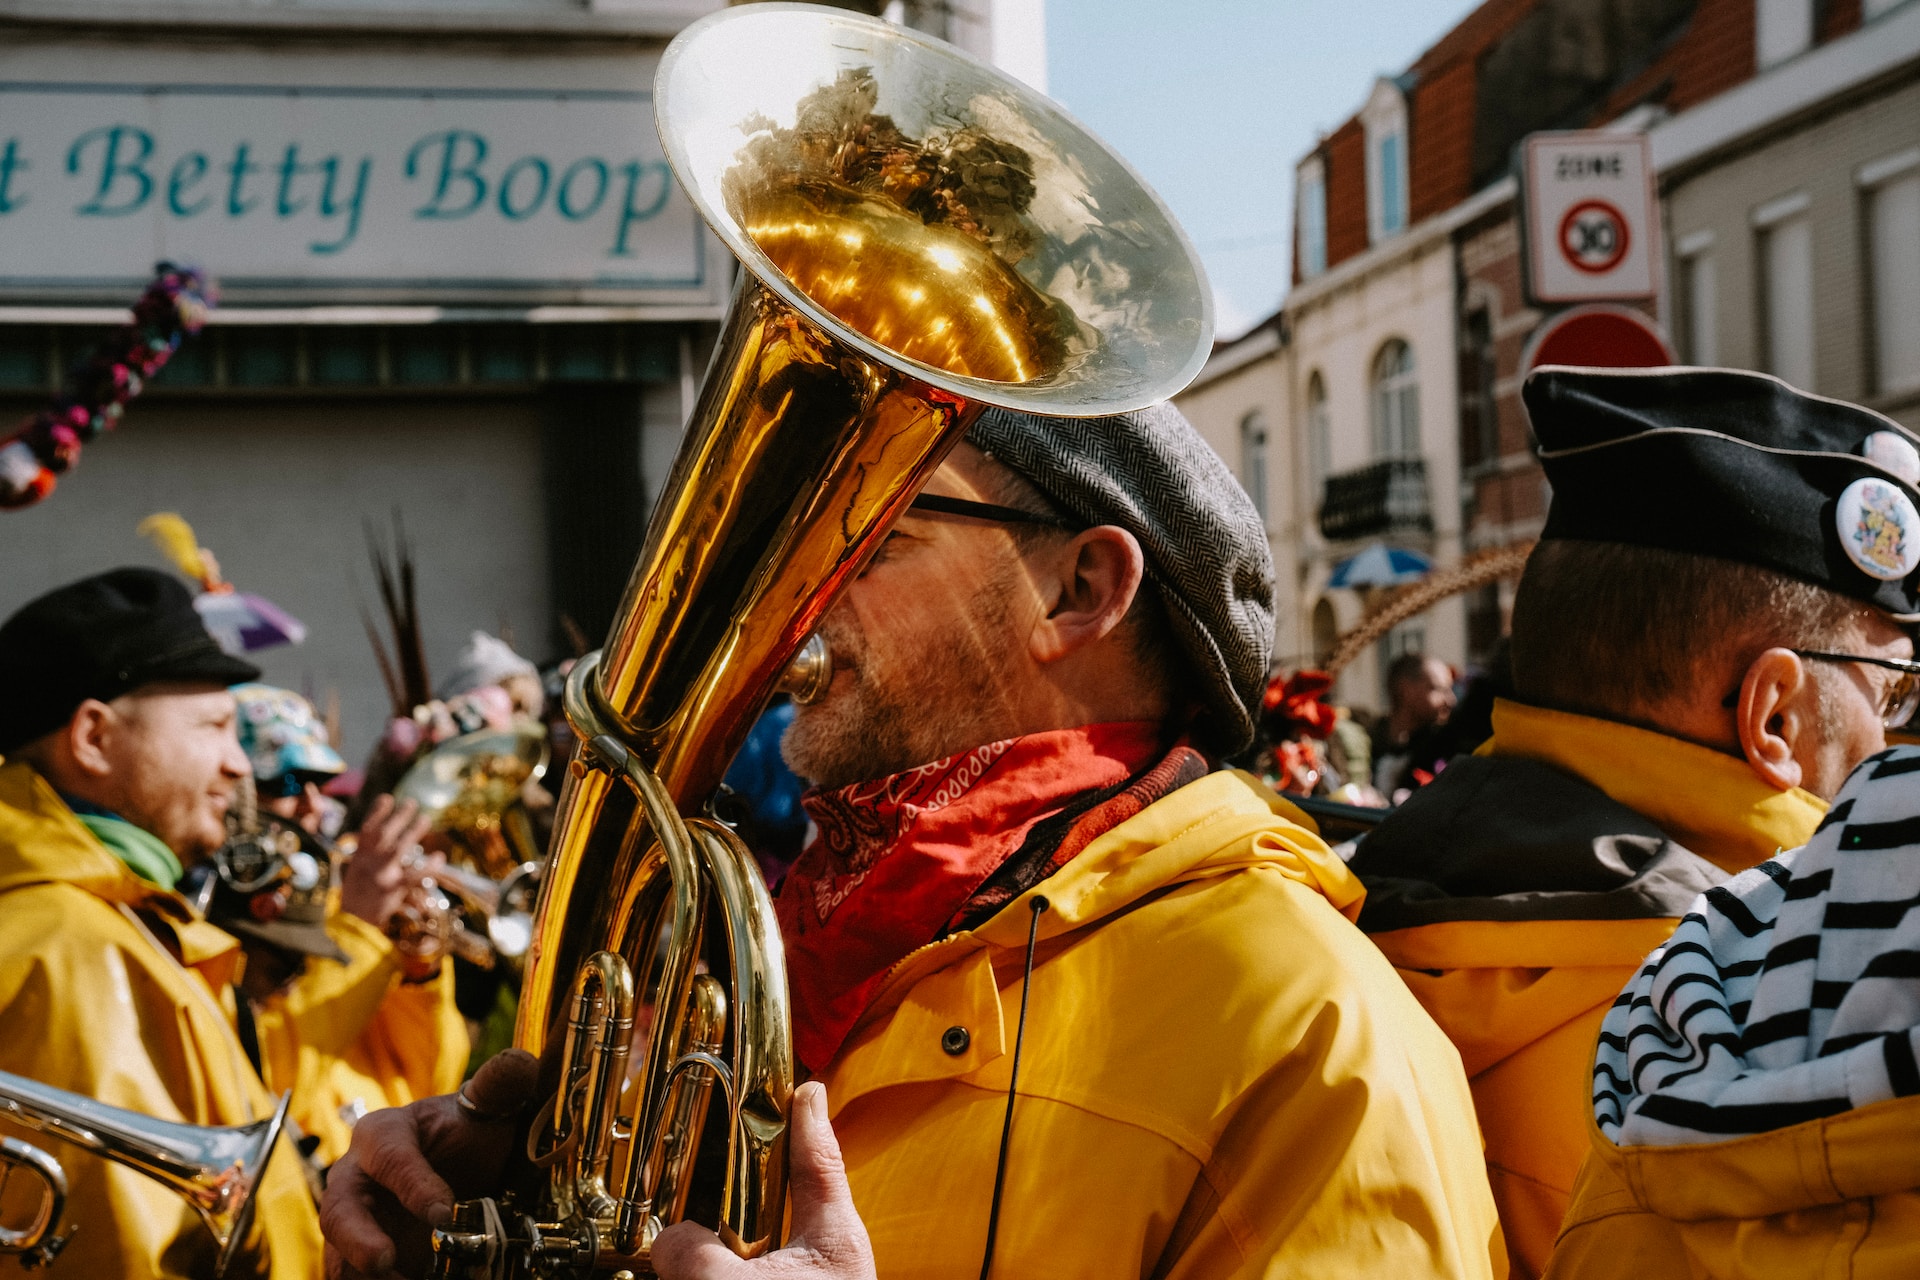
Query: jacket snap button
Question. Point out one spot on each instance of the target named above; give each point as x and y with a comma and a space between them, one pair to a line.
955, 1041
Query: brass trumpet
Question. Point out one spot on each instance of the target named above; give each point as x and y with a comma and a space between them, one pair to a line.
430, 925
215, 1170
922, 237
470, 787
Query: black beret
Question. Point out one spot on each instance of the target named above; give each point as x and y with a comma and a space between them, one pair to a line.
102, 637
1152, 474
1738, 466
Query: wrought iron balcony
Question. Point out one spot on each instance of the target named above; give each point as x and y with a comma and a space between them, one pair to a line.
1380, 498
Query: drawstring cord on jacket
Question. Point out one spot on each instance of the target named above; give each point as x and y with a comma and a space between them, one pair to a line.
1039, 906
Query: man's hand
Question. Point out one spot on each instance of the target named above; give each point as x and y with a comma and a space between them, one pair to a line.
407, 1165
829, 1240
377, 877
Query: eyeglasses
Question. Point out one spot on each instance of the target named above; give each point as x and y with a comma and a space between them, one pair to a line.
1903, 697
941, 505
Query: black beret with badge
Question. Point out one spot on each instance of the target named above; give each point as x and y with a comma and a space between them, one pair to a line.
1735, 465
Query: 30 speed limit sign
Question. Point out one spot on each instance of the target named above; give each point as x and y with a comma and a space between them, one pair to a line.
1591, 217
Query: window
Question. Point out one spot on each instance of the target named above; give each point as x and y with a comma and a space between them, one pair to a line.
1253, 460
1479, 416
1311, 221
23, 359
1699, 299
1396, 403
1326, 632
343, 355
1782, 28
1786, 289
260, 357
1393, 201
1319, 430
1385, 120
1893, 243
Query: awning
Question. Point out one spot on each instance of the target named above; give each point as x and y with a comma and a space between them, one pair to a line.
1380, 566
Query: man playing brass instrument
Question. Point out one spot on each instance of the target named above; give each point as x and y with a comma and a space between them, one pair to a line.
121, 761
1217, 1075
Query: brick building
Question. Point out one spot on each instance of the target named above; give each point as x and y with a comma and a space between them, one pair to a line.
1403, 339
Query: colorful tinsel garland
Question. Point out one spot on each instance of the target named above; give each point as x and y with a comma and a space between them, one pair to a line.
99, 385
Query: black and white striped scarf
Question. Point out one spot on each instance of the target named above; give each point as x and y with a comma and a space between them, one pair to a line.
1789, 994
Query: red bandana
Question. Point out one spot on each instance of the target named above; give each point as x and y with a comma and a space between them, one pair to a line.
897, 859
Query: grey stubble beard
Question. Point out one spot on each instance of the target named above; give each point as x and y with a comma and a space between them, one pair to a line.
918, 708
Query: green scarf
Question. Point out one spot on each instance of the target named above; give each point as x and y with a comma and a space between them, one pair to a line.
145, 854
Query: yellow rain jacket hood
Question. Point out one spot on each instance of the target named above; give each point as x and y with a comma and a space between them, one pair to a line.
352, 1038
1520, 891
1220, 1077
92, 1000
1756, 1091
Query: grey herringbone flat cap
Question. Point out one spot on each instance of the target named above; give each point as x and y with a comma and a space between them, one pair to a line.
1151, 474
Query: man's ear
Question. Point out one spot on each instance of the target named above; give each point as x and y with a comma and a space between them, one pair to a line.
87, 735
1099, 574
1778, 707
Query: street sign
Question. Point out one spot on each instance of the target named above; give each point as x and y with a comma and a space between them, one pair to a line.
1592, 217
329, 177
1599, 337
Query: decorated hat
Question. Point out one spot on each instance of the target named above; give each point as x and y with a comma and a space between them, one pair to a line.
1734, 465
271, 885
284, 739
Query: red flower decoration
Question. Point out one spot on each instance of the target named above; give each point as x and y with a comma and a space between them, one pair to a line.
1296, 705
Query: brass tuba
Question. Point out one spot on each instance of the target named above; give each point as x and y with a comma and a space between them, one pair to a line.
922, 237
215, 1170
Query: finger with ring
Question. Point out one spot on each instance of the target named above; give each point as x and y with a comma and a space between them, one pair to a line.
472, 1109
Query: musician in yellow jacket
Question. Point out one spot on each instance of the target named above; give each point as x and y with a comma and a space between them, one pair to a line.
121, 761
1013, 764
336, 1012
1699, 659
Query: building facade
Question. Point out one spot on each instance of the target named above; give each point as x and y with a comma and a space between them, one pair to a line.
1793, 217
460, 287
1411, 322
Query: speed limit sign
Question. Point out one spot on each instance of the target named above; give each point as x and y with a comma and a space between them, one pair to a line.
1594, 237
1591, 218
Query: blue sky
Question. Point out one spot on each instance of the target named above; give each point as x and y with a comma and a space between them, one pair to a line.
1214, 101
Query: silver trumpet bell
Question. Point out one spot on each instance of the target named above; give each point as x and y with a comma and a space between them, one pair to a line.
215, 1170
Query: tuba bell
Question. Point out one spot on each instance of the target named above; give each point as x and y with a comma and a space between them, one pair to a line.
922, 237
215, 1170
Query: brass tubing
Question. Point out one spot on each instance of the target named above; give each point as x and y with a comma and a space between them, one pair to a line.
607, 1070
672, 1150
670, 1001
33, 1239
762, 1050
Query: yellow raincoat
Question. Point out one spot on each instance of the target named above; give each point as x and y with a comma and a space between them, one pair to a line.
1833, 1199
92, 1001
1221, 1078
352, 1038
1521, 977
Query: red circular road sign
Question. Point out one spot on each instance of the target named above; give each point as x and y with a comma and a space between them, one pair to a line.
1594, 237
1599, 337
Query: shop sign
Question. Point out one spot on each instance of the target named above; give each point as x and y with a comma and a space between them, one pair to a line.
344, 192
1592, 219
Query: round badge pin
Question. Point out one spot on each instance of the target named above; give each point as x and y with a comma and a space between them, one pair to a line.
1879, 528
1894, 452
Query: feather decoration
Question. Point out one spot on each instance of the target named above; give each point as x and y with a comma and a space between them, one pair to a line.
404, 666
174, 537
